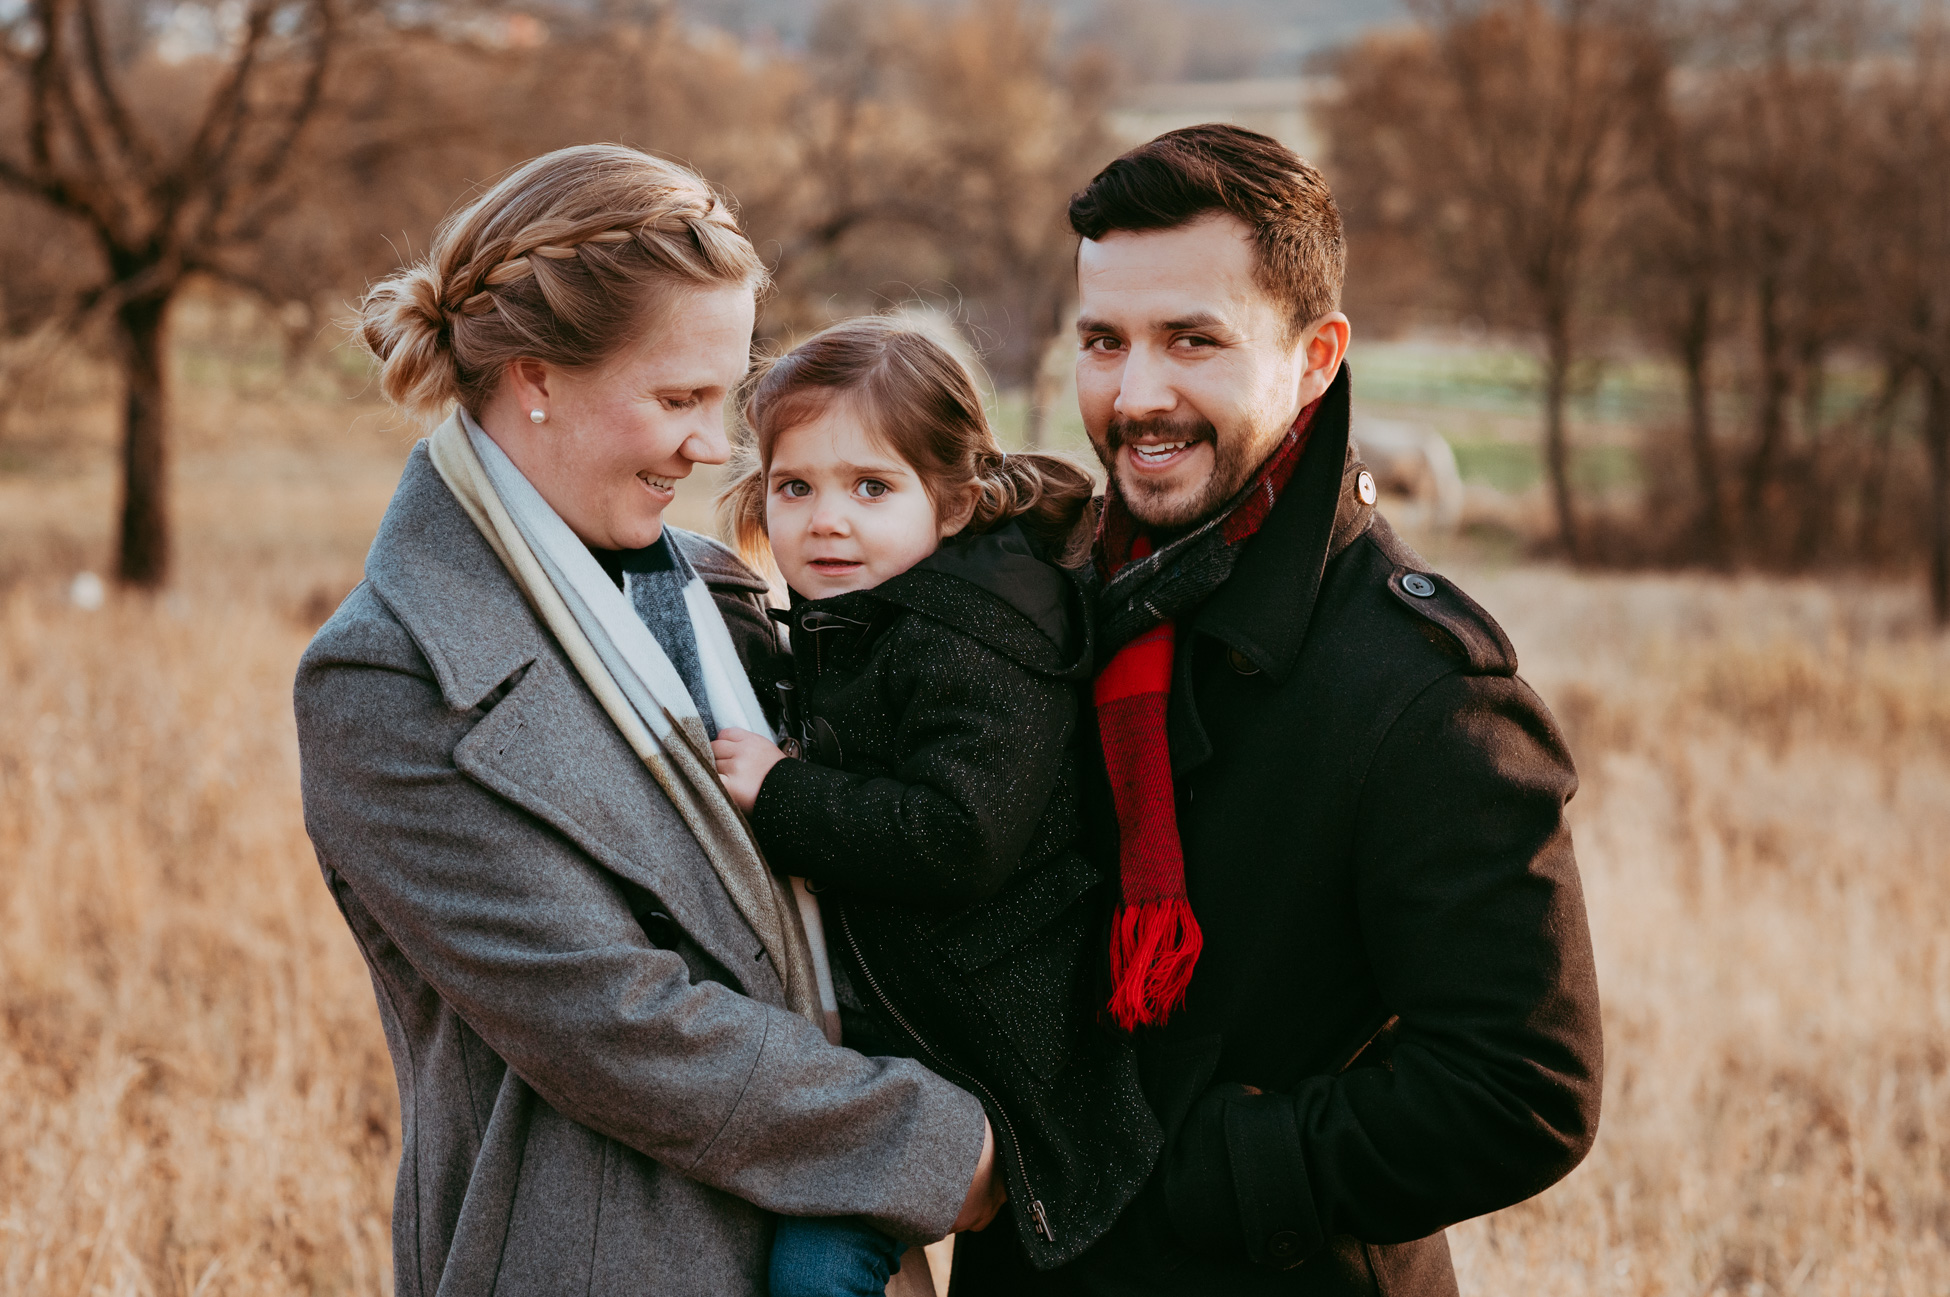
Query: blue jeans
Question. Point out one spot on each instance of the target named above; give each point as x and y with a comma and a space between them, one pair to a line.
831, 1256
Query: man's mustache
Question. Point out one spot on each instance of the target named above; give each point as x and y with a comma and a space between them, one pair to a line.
1122, 430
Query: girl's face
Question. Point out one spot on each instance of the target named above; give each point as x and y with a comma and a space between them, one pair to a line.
844, 512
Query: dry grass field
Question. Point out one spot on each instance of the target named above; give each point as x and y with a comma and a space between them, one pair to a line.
194, 1094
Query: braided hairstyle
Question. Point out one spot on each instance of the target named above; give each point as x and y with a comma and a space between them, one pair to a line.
567, 260
920, 401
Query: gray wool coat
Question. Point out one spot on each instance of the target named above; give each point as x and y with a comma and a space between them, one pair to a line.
600, 1088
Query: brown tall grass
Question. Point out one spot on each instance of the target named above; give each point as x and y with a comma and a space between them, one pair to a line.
194, 1094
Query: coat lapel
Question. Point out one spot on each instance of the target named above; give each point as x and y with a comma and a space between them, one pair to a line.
1263, 609
546, 745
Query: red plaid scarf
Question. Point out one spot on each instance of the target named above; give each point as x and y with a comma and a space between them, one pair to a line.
1155, 938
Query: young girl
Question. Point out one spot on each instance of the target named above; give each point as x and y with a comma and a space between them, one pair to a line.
928, 787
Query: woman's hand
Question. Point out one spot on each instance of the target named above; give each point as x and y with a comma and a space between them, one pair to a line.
986, 1192
744, 759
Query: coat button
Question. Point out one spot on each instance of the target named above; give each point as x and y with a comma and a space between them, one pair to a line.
662, 930
1283, 1243
1241, 663
1418, 585
1364, 488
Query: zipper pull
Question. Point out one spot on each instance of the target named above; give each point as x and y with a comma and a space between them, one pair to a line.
1037, 1214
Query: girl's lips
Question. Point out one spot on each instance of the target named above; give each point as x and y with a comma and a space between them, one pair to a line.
834, 565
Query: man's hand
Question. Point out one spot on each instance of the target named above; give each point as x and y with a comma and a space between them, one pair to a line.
744, 759
986, 1192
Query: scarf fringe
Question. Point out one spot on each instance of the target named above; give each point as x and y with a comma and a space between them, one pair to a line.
1153, 947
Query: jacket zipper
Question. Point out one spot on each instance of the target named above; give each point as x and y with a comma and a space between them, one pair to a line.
1036, 1212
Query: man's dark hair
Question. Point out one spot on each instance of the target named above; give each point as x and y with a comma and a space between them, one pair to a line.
1190, 173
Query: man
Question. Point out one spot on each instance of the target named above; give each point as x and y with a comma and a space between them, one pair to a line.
1351, 943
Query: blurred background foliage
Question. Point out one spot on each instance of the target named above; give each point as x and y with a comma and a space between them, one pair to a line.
1703, 247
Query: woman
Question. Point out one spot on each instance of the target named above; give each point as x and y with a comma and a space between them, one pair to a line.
600, 1005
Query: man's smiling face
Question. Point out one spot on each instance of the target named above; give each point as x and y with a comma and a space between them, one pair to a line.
1189, 372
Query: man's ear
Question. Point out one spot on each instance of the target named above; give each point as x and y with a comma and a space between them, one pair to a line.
1324, 346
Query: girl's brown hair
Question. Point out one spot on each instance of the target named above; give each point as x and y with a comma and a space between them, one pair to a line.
921, 402
567, 259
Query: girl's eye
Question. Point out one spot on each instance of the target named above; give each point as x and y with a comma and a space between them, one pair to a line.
794, 489
873, 488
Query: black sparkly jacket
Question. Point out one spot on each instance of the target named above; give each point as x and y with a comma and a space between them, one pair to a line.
936, 811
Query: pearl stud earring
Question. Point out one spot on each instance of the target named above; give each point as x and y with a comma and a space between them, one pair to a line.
536, 416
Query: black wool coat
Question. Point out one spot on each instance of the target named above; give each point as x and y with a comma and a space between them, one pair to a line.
1393, 1025
937, 813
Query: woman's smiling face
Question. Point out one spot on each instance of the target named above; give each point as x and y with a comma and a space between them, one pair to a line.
842, 511
617, 439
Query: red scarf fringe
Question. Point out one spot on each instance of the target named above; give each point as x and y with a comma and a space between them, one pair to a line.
1153, 948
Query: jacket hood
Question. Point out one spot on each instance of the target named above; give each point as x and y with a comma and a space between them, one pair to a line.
995, 588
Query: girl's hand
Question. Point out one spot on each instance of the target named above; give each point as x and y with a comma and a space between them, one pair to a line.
744, 759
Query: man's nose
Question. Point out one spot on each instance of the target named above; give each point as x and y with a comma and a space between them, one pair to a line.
1144, 390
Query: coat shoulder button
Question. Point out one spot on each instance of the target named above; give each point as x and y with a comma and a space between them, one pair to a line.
1418, 585
1283, 1243
1364, 488
1241, 663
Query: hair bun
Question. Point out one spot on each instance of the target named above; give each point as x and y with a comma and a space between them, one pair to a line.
402, 322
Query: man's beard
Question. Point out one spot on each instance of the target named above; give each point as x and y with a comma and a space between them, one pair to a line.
1234, 460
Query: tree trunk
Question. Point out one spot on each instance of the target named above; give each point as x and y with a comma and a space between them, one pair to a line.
1045, 388
1772, 418
1045, 382
144, 541
1868, 523
1695, 345
1557, 450
1936, 433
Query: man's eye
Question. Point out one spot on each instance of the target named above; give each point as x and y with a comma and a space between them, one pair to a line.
873, 488
1102, 344
794, 489
1192, 340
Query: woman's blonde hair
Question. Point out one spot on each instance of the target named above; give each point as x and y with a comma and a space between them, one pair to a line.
920, 401
568, 259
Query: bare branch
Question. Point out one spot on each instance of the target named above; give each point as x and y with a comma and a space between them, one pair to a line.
228, 110
252, 180
133, 144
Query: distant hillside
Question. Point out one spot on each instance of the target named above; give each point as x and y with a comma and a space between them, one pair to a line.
1161, 40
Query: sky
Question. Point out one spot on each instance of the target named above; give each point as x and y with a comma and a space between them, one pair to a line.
1162, 40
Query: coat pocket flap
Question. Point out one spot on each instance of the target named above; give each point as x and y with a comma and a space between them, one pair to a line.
981, 934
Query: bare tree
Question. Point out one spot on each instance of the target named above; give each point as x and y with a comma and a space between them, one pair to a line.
165, 195
939, 146
1501, 126
1906, 208
1790, 155
1677, 247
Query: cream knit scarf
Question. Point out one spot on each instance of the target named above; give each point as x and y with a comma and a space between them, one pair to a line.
633, 679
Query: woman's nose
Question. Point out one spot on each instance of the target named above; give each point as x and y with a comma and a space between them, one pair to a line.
707, 443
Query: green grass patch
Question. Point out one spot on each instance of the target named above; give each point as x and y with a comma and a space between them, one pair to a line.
1515, 466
